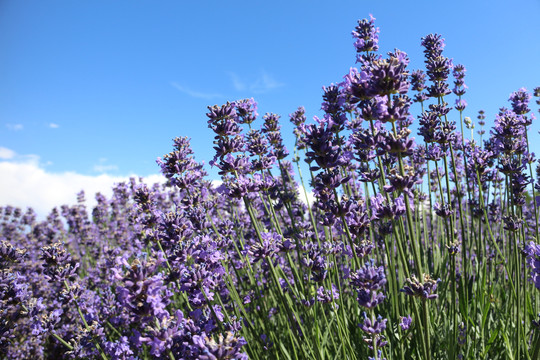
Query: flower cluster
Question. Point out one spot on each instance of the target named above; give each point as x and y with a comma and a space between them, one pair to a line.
257, 268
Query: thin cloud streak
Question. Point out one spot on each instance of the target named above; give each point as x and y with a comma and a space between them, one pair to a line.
104, 168
195, 94
263, 83
237, 83
15, 127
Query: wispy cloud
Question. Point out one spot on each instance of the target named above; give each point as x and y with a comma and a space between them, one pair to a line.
264, 82
54, 126
15, 127
238, 84
102, 167
194, 93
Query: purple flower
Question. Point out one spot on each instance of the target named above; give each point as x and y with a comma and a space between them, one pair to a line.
459, 75
401, 184
425, 290
119, 349
142, 293
508, 133
379, 356
481, 117
429, 124
433, 45
390, 76
437, 66
453, 248
9, 254
369, 277
58, 265
239, 187
246, 110
222, 119
374, 329
357, 85
322, 147
333, 100
317, 263
327, 296
369, 298
266, 248
460, 104
298, 118
368, 281
405, 322
520, 101
271, 129
532, 252
226, 347
230, 164
366, 35
179, 167
443, 210
383, 210
462, 336
418, 80
536, 323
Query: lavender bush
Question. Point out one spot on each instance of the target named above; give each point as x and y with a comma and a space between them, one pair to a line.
410, 249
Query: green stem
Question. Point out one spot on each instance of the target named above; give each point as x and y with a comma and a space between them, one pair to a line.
66, 344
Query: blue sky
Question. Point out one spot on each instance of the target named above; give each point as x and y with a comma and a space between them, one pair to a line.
99, 88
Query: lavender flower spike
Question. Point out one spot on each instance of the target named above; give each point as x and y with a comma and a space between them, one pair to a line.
425, 290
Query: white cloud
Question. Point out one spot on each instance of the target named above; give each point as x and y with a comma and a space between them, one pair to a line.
261, 84
54, 126
6, 154
15, 127
25, 183
195, 94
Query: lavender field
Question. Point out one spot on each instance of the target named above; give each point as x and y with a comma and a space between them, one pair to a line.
392, 244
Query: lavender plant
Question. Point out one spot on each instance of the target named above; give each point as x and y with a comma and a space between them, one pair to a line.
411, 248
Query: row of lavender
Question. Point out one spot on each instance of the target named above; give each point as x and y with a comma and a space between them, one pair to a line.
409, 250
